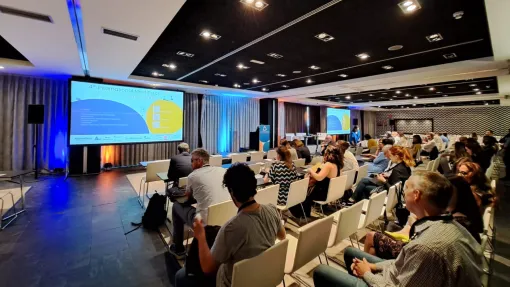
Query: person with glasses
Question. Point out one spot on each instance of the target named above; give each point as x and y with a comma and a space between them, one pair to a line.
480, 186
206, 188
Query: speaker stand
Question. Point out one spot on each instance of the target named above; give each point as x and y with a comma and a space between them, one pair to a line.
35, 151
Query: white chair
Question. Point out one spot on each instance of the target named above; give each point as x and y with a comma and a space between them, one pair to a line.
373, 150
347, 220
220, 213
239, 157
488, 217
352, 149
435, 166
391, 200
255, 167
216, 160
312, 241
268, 195
183, 181
359, 151
336, 190
297, 194
493, 186
299, 162
271, 154
362, 173
430, 166
257, 156
151, 175
316, 159
289, 136
300, 136
373, 207
265, 269
351, 176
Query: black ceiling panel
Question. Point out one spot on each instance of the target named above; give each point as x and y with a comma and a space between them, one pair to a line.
358, 26
439, 90
449, 104
9, 52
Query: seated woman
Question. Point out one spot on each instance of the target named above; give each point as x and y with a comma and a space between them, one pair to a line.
302, 151
480, 186
448, 159
282, 172
416, 148
474, 149
319, 180
398, 170
490, 146
462, 206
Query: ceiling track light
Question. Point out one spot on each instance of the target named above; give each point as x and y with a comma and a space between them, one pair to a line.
255, 4
237, 85
285, 86
242, 67
395, 48
296, 72
208, 35
325, 37
281, 75
170, 66
434, 38
363, 56
343, 75
450, 56
255, 81
265, 89
409, 6
313, 67
458, 15
257, 62
203, 81
388, 67
220, 75
309, 81
184, 54
274, 55
156, 74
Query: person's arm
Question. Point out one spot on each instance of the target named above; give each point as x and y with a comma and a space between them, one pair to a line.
281, 235
171, 169
207, 262
322, 174
379, 159
269, 175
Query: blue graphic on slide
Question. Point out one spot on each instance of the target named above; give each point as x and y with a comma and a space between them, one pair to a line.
334, 123
338, 121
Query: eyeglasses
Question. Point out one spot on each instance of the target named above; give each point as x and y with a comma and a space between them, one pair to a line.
193, 159
463, 173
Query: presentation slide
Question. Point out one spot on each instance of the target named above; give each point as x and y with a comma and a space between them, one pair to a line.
338, 121
111, 114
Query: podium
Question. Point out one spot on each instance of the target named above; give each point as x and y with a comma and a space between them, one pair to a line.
260, 139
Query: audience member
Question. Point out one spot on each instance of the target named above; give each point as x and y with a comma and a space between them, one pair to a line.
462, 207
380, 145
480, 185
389, 136
439, 142
253, 230
355, 137
441, 252
506, 157
402, 140
325, 143
489, 133
416, 148
333, 163
490, 146
474, 150
505, 138
463, 140
450, 158
398, 170
302, 151
180, 164
369, 142
282, 172
293, 152
444, 138
350, 161
381, 162
430, 147
474, 136
204, 186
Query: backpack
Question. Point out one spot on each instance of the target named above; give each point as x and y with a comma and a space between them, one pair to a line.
155, 214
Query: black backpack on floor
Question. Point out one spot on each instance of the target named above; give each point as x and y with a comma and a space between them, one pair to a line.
155, 214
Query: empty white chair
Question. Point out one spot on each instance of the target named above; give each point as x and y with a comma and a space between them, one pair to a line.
289, 136
488, 217
215, 160
351, 176
239, 157
373, 207
265, 269
255, 167
300, 136
297, 194
336, 190
268, 195
151, 175
312, 241
257, 156
183, 181
220, 213
362, 173
271, 154
391, 200
359, 151
299, 162
347, 220
316, 159
436, 164
430, 166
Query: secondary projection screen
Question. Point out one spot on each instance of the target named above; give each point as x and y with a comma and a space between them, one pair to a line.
112, 114
338, 121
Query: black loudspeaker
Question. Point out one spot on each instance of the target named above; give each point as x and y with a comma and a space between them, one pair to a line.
36, 114
392, 122
355, 122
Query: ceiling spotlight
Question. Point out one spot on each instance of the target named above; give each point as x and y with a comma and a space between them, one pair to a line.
274, 55
438, 92
343, 75
237, 86
313, 67
348, 97
434, 37
203, 81
172, 66
257, 5
257, 62
409, 6
415, 97
309, 81
242, 67
255, 81
285, 86
391, 99
265, 89
184, 54
450, 56
209, 35
458, 15
281, 75
407, 95
451, 87
220, 75
395, 48
398, 92
296, 72
394, 96
388, 67
156, 74
445, 95
486, 104
370, 95
476, 90
205, 34
363, 56
325, 37
414, 105
472, 85
432, 89
478, 93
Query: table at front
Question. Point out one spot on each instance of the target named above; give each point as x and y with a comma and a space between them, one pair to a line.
11, 175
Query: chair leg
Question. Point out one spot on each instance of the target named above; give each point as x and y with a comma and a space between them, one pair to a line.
357, 239
147, 190
306, 220
327, 262
322, 211
320, 260
284, 282
352, 244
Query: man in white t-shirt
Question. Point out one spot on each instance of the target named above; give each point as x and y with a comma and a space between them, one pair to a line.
206, 187
350, 161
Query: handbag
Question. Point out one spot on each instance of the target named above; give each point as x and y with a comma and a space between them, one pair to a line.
401, 212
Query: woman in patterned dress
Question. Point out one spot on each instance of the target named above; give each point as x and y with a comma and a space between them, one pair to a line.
282, 172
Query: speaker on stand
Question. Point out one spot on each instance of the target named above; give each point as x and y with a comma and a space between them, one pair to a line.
36, 117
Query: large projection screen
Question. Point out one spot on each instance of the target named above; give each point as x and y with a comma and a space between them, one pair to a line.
102, 114
338, 121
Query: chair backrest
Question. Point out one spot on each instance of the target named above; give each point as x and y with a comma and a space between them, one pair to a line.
351, 175
289, 136
215, 160
183, 181
265, 269
336, 188
155, 167
220, 213
299, 162
257, 156
347, 222
297, 192
493, 186
375, 205
316, 159
255, 167
352, 149
362, 173
312, 241
359, 150
300, 136
392, 200
430, 165
483, 243
490, 169
486, 219
239, 157
271, 154
373, 150
268, 195
436, 164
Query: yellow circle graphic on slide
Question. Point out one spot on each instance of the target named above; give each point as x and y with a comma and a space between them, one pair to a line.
164, 117
346, 122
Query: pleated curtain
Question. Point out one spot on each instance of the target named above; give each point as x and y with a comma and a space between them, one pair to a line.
369, 123
281, 120
323, 115
227, 122
295, 118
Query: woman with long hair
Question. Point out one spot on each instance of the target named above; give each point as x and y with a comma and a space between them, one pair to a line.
398, 170
480, 186
302, 151
282, 172
458, 153
474, 150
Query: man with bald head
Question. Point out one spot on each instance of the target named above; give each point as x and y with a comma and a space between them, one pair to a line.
327, 141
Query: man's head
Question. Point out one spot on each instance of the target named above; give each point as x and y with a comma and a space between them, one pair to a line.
385, 150
367, 137
401, 134
430, 136
355, 129
183, 147
445, 134
342, 145
387, 142
199, 158
427, 194
463, 140
241, 183
328, 139
489, 133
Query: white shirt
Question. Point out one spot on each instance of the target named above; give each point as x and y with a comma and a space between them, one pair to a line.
428, 146
439, 143
403, 142
350, 161
206, 186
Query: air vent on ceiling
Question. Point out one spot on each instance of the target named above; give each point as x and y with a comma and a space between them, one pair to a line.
25, 14
119, 34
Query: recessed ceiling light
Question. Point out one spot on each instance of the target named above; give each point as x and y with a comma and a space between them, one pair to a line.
265, 89
156, 74
185, 54
343, 75
415, 97
246, 84
414, 104
309, 81
281, 75
409, 6
209, 35
274, 55
258, 4
486, 104
450, 56
407, 95
348, 97
242, 67
391, 99
478, 93
394, 96
325, 37
388, 67
296, 72
255, 81
432, 89
476, 90
220, 75
363, 56
237, 86
488, 87
445, 95
458, 15
398, 92
257, 62
395, 48
438, 92
451, 87
472, 85
203, 81
371, 95
313, 67
384, 93
285, 86
434, 37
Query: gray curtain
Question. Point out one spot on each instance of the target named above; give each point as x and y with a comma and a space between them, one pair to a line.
17, 137
227, 122
369, 123
324, 115
127, 155
281, 120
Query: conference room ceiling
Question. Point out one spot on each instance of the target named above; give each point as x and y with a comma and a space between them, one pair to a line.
7, 51
376, 28
447, 104
438, 90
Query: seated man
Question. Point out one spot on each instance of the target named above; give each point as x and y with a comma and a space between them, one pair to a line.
180, 164
252, 231
401, 140
429, 144
327, 141
350, 161
441, 252
381, 162
205, 186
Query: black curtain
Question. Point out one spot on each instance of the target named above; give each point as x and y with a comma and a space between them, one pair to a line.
295, 118
315, 119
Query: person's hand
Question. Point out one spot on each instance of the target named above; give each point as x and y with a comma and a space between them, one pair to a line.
381, 178
198, 229
359, 268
